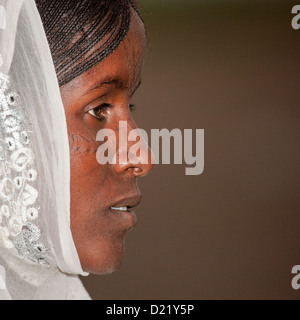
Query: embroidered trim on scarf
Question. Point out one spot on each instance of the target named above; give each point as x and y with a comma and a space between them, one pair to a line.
18, 194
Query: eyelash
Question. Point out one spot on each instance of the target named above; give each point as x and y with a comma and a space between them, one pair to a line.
104, 107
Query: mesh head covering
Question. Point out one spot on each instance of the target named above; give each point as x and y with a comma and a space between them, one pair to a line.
82, 33
38, 257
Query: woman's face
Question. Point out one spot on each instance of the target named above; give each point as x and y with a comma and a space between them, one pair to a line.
99, 99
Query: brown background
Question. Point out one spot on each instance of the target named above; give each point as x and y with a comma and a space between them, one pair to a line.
233, 232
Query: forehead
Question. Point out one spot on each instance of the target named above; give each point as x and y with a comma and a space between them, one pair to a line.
124, 64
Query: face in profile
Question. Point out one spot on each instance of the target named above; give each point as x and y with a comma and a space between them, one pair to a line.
102, 196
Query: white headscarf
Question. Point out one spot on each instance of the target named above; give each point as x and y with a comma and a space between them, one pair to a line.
38, 258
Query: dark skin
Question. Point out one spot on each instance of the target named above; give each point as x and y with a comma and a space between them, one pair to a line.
99, 99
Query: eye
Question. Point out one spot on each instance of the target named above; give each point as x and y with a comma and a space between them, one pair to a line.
99, 112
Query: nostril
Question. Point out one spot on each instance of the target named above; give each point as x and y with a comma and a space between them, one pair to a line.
142, 169
138, 171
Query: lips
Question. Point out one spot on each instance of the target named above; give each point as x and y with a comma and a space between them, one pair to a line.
123, 208
126, 203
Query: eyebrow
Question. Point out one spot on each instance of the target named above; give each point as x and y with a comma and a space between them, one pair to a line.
117, 82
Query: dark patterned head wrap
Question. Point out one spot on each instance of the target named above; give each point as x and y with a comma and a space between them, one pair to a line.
82, 33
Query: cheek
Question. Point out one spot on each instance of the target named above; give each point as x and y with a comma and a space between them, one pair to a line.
81, 144
87, 176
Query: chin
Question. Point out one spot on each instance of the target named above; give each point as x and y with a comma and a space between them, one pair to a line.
103, 270
102, 264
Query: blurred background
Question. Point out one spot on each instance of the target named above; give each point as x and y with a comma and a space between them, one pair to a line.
233, 69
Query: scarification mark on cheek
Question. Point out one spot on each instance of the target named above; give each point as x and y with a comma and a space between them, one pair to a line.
81, 144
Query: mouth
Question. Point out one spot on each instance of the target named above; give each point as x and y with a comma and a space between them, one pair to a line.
124, 206
120, 208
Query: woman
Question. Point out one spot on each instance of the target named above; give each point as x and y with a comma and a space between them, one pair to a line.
62, 213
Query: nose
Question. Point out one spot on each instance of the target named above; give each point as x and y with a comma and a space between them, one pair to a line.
133, 153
